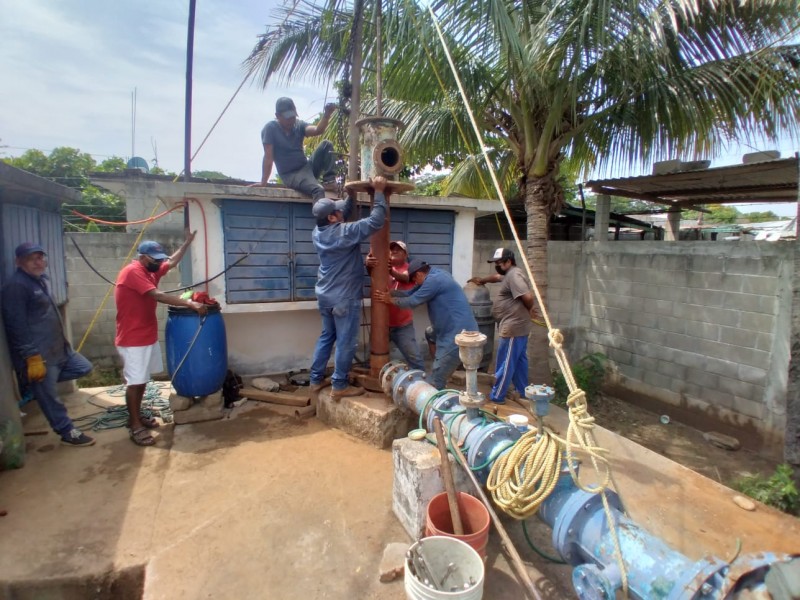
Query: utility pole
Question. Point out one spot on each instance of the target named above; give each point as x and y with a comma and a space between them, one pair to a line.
355, 96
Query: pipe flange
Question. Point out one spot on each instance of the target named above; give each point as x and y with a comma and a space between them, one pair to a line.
470, 339
446, 402
388, 372
472, 401
577, 509
486, 444
592, 583
404, 379
387, 156
703, 580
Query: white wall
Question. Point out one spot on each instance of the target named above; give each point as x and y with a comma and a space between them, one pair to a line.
279, 336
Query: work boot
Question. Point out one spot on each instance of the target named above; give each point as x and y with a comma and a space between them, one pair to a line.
314, 388
350, 390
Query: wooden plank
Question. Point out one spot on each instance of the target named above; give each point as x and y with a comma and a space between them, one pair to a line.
275, 397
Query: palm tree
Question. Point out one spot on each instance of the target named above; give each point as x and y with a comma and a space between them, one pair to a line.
599, 83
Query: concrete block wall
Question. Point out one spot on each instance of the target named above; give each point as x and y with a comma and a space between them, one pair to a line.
107, 253
703, 328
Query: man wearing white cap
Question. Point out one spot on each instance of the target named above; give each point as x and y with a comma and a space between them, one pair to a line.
137, 295
283, 146
512, 311
40, 352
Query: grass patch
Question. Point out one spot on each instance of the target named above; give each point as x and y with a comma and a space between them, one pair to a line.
589, 373
101, 377
778, 490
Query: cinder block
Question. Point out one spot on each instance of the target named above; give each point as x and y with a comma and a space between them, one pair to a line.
371, 417
207, 408
417, 479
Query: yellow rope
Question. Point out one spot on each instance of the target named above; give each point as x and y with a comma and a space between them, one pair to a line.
523, 478
514, 484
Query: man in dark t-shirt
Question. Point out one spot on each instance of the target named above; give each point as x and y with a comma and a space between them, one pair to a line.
283, 147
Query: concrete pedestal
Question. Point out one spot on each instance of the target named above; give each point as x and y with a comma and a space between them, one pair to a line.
191, 410
371, 417
417, 479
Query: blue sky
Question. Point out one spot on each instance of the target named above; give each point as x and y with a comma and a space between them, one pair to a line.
69, 68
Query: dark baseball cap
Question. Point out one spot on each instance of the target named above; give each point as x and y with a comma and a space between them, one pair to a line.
501, 254
285, 108
325, 206
153, 250
26, 248
416, 265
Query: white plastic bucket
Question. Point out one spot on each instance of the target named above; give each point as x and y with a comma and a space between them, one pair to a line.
439, 553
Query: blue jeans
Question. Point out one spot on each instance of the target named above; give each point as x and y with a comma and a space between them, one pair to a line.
340, 325
306, 179
511, 367
71, 367
445, 363
405, 339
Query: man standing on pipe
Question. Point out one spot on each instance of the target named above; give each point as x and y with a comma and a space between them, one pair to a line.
513, 310
40, 352
401, 320
283, 147
340, 283
448, 310
137, 295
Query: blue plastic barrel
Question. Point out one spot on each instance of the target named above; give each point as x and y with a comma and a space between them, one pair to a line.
197, 351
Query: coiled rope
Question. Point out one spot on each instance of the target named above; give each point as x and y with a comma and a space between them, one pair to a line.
113, 417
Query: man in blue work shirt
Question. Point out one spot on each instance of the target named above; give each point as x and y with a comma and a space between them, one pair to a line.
40, 352
283, 147
448, 310
340, 283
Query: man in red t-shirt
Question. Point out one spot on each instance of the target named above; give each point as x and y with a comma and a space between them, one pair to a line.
401, 320
137, 295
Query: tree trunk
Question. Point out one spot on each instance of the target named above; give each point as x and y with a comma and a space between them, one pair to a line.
539, 194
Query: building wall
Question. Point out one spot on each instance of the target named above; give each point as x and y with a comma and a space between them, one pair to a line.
107, 253
701, 328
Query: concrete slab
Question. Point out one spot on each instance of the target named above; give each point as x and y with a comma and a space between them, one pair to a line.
268, 505
371, 417
258, 505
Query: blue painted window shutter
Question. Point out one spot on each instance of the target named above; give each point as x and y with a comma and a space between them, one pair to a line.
282, 264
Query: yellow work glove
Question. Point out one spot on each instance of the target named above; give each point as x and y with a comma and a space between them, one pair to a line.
36, 368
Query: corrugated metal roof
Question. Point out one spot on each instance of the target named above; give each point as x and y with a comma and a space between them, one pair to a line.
762, 182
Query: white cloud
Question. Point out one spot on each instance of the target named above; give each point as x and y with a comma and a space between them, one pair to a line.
69, 69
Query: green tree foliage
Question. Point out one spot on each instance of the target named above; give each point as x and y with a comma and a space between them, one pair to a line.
600, 84
721, 213
210, 175
71, 167
429, 184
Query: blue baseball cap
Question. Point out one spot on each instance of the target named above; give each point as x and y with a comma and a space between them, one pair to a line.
26, 248
152, 249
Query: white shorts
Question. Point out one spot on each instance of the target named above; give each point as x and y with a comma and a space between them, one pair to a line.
139, 362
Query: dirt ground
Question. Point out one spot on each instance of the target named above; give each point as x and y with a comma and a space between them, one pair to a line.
678, 441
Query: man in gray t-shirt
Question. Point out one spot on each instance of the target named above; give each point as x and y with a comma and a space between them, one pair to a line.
283, 147
512, 310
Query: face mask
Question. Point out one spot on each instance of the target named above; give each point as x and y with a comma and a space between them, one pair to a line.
153, 267
499, 269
